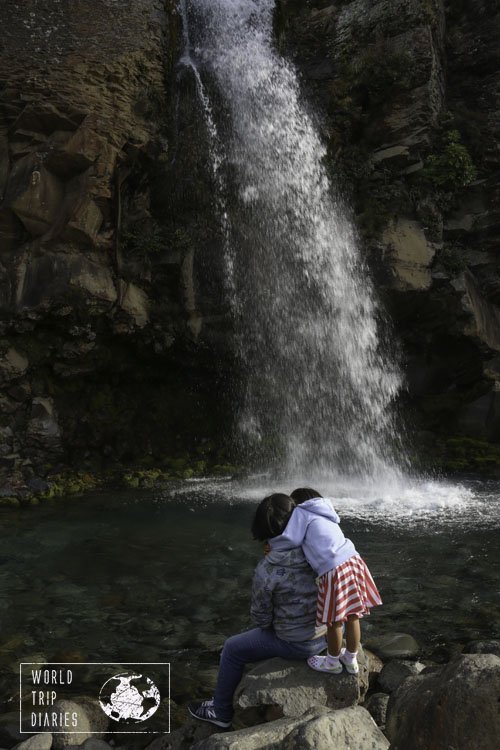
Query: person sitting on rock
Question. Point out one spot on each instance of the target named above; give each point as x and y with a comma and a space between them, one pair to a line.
346, 587
283, 607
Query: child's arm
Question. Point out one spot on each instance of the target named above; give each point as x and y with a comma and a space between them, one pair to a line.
261, 608
294, 533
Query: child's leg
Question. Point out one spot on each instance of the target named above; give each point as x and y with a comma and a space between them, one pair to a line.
348, 656
334, 638
352, 633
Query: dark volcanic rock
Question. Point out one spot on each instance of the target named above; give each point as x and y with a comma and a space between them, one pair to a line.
102, 314
456, 706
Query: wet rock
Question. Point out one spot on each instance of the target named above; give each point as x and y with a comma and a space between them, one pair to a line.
210, 641
36, 742
375, 664
34, 194
9, 727
92, 721
411, 254
318, 729
43, 429
288, 688
13, 365
92, 743
393, 645
483, 647
37, 485
395, 672
376, 705
454, 707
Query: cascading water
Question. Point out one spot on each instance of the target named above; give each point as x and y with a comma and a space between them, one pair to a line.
316, 381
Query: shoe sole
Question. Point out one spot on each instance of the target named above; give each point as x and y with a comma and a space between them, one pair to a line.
221, 724
349, 668
325, 671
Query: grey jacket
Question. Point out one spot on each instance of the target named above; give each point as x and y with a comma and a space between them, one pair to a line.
284, 596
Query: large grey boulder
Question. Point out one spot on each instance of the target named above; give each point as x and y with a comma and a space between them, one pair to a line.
318, 729
395, 672
288, 688
455, 707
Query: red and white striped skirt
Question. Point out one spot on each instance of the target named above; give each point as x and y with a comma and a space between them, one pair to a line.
346, 590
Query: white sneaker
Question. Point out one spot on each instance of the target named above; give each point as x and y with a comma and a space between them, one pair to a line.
350, 663
323, 664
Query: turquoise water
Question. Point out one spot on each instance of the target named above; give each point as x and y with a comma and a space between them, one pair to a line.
165, 575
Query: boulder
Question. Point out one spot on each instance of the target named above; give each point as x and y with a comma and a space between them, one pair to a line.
43, 429
13, 365
396, 672
92, 743
393, 645
455, 707
9, 728
36, 742
277, 687
92, 722
135, 303
376, 705
34, 195
318, 729
375, 666
411, 254
56, 277
483, 647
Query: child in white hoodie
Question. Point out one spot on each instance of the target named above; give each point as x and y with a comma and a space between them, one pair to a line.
346, 587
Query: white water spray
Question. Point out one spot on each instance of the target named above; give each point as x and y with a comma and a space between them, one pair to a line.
316, 379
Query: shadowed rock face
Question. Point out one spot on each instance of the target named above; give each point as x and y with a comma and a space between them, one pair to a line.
98, 297
455, 706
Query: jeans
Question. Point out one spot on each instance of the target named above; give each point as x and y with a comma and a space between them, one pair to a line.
254, 645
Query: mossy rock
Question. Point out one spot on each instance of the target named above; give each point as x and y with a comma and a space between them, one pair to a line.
224, 470
462, 454
9, 501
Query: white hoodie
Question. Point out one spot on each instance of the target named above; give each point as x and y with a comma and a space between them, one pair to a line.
314, 525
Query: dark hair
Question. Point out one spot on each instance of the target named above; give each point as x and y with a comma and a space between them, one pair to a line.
302, 494
272, 516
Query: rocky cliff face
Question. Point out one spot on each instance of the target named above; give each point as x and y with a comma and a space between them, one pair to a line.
101, 357
409, 95
115, 337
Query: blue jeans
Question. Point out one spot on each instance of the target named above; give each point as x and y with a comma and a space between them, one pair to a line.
254, 645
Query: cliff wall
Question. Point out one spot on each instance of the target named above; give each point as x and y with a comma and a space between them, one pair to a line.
102, 361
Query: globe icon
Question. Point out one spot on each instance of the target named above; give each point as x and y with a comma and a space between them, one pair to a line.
129, 697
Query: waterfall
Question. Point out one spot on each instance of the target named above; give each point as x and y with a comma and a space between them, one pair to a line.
317, 387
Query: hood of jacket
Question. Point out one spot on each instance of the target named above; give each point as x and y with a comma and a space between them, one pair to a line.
321, 506
287, 558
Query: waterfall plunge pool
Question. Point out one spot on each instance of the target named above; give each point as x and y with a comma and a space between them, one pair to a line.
165, 575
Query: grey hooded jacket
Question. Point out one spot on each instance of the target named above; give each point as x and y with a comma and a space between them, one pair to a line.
284, 596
